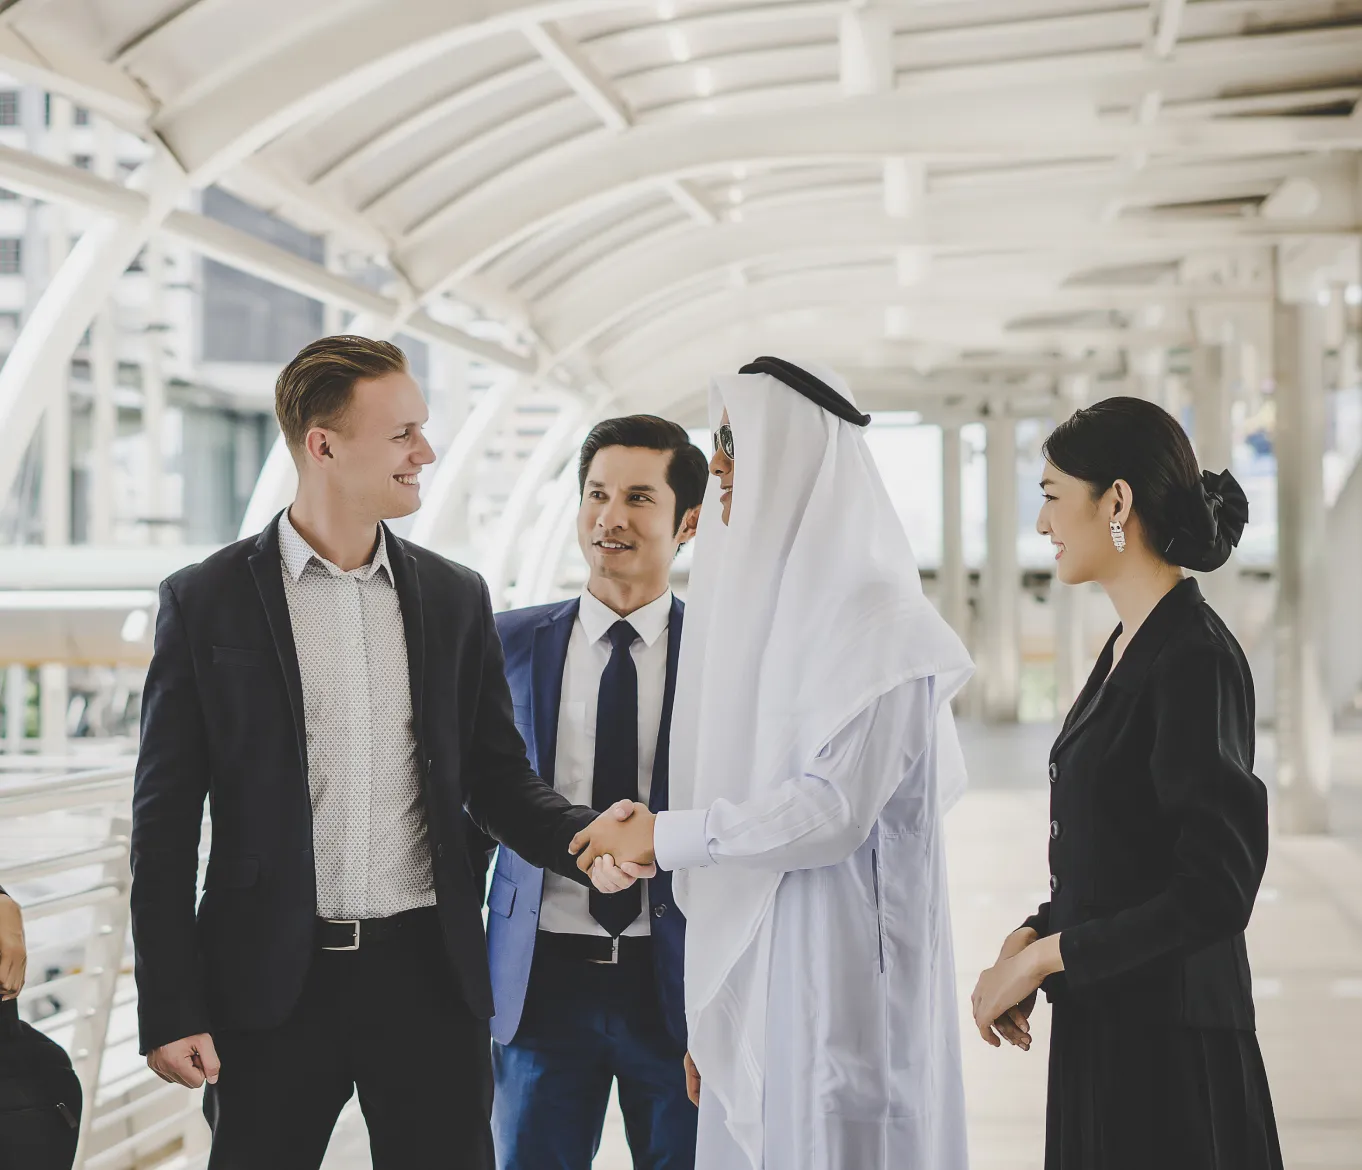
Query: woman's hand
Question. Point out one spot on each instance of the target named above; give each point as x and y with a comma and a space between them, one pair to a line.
1014, 1025
1006, 993
692, 1081
13, 949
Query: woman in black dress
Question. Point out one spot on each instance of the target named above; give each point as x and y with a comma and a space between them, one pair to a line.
1158, 831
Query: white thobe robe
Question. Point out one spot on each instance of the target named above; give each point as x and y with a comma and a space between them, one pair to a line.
862, 1061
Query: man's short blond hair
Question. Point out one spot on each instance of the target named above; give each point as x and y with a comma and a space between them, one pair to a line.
314, 389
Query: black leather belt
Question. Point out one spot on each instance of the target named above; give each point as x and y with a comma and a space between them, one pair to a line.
594, 948
349, 934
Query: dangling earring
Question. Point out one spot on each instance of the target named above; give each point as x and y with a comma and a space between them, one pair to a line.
1118, 535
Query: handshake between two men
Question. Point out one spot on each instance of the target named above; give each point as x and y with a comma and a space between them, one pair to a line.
616, 849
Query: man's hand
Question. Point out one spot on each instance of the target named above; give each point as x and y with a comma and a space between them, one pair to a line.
608, 877
13, 949
692, 1081
628, 839
188, 1062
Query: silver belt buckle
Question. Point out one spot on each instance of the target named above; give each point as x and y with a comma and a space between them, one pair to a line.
353, 922
614, 958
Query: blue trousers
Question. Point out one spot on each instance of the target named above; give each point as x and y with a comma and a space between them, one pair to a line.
584, 1026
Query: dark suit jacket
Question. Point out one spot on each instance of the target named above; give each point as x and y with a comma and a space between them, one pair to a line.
222, 716
1158, 837
536, 642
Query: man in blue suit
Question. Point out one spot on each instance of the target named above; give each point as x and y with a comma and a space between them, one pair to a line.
588, 986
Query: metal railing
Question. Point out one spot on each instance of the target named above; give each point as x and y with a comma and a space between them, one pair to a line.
64, 828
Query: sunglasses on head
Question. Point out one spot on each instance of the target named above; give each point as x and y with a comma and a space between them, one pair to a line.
723, 440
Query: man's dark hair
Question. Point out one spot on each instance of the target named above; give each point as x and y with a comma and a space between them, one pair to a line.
687, 469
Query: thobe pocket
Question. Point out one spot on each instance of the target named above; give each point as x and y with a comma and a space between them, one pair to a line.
879, 906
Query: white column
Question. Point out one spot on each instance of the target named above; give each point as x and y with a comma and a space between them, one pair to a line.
42, 351
333, 316
1150, 372
103, 429
154, 392
954, 604
1304, 718
1001, 679
100, 486
16, 699
48, 245
1214, 374
1067, 602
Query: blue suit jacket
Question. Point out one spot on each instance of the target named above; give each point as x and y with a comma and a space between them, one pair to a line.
535, 641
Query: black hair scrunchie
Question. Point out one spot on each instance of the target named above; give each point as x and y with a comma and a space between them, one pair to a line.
1210, 524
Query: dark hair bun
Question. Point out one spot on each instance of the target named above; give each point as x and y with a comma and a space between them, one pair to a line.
1210, 523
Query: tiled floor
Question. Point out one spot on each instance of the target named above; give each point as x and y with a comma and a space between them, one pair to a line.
1305, 943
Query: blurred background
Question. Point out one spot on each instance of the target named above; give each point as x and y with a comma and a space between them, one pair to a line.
983, 213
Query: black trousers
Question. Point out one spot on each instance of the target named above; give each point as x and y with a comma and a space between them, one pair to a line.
388, 1020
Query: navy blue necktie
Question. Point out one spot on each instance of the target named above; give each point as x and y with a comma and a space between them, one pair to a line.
616, 769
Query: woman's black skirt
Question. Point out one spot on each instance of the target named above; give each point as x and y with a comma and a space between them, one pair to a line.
1134, 1094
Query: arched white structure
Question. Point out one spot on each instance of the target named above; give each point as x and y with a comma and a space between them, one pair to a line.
958, 201
963, 204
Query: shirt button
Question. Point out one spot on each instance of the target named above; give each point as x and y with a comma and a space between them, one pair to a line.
1054, 773
1055, 830
1054, 883
658, 911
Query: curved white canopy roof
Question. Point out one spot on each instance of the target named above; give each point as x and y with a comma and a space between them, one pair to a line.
947, 197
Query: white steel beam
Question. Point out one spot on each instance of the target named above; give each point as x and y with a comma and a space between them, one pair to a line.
157, 32
41, 178
45, 179
228, 117
245, 252
566, 57
495, 216
690, 202
547, 540
1235, 60
67, 306
626, 285
62, 67
459, 97
1066, 182
455, 468
1167, 26
866, 41
542, 463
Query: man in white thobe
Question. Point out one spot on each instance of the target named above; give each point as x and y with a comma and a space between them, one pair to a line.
813, 756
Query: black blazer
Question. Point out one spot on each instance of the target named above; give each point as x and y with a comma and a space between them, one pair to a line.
222, 716
1158, 836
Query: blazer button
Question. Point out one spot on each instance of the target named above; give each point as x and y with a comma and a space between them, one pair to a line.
440, 850
1055, 830
1054, 883
430, 763
1054, 773
658, 911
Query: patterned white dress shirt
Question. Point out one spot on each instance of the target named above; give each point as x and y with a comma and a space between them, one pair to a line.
368, 813
565, 908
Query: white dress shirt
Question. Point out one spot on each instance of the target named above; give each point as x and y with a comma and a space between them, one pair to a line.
368, 812
565, 907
